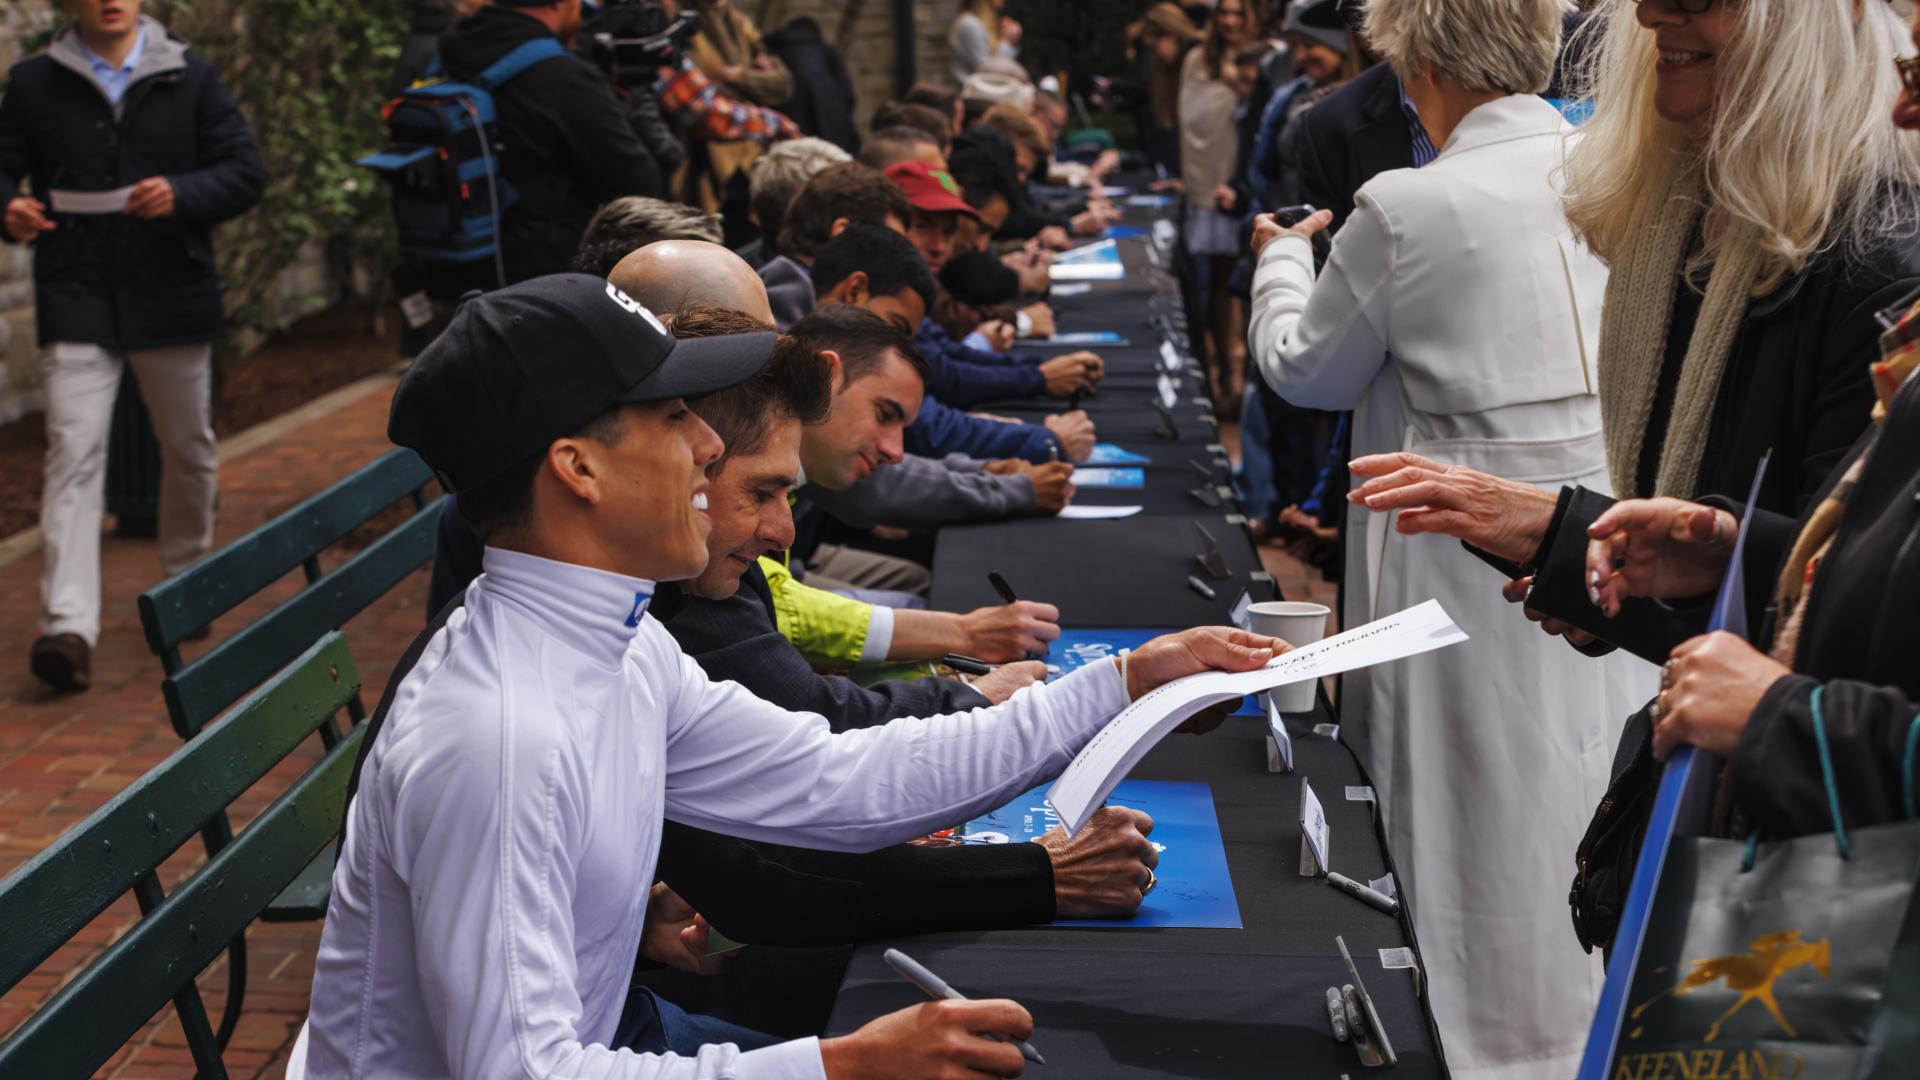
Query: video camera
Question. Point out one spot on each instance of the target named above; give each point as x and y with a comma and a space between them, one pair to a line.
634, 39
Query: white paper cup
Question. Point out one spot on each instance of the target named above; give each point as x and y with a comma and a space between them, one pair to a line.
1298, 623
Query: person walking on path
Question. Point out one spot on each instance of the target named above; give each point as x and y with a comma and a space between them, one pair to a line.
133, 151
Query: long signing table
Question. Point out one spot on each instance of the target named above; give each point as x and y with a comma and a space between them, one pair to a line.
1122, 1002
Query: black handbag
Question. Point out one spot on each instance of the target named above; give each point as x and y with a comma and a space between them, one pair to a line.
1607, 854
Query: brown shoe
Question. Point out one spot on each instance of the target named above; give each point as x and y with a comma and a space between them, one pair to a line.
63, 661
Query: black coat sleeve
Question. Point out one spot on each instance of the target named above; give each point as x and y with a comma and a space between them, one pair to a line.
1644, 628
604, 156
228, 178
770, 894
1837, 411
653, 131
1776, 769
17, 150
1317, 189
736, 639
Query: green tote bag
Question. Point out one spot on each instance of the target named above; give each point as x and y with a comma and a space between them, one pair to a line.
1781, 961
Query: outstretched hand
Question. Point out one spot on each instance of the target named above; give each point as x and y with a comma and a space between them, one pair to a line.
1662, 548
1504, 517
1189, 652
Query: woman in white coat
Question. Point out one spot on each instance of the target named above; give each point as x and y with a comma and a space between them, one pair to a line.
1457, 317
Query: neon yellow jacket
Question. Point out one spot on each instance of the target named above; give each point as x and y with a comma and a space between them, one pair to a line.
830, 630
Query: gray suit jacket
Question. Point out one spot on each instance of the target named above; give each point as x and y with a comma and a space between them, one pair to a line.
926, 493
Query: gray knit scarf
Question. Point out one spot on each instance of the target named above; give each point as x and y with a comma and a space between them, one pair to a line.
1633, 337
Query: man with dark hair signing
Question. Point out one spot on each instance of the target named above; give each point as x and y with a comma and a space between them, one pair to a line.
485, 916
724, 618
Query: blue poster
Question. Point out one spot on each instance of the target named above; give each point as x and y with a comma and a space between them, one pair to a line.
1100, 251
1078, 338
1126, 477
1194, 886
1123, 232
1098, 261
1076, 647
1107, 453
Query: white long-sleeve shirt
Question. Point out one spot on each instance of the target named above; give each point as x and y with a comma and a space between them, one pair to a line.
488, 902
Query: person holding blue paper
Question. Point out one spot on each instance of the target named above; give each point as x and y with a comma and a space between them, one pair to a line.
1841, 584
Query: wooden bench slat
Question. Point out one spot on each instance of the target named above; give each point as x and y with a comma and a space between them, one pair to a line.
217, 584
117, 994
50, 897
305, 897
198, 692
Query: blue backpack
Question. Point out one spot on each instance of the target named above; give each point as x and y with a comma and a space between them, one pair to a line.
442, 158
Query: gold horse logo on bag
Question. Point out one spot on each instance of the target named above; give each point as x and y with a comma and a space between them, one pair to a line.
1752, 974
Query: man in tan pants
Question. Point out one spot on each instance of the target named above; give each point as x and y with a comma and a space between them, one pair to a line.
132, 151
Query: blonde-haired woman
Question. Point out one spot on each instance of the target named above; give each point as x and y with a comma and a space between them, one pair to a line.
980, 33
1757, 209
1757, 212
1457, 317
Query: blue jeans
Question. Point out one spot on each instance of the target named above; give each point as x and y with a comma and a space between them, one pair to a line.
1253, 483
651, 1024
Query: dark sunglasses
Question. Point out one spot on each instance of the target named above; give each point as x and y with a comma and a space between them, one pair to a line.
1909, 69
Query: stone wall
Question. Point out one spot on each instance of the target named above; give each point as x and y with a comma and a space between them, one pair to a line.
866, 40
19, 355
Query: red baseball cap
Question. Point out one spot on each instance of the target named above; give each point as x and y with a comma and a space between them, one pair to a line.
929, 189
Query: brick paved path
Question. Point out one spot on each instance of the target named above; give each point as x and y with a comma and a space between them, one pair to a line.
62, 756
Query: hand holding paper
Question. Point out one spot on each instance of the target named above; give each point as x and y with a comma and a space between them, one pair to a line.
1112, 754
151, 198
1203, 650
27, 218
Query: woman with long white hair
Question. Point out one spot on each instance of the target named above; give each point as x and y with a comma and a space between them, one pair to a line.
1458, 318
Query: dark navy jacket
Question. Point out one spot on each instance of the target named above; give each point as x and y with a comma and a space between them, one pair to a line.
112, 279
964, 376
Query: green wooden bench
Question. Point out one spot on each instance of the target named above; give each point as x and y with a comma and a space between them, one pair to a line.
198, 691
118, 848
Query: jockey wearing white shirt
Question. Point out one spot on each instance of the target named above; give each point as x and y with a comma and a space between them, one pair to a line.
491, 891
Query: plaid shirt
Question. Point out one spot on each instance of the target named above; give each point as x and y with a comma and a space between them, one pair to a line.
695, 103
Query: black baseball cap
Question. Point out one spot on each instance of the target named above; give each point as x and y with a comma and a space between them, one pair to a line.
522, 366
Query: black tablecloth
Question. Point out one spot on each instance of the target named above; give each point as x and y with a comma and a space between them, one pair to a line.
1121, 1003
1131, 572
1189, 1002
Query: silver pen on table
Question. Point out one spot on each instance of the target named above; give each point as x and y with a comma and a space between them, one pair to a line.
1365, 894
934, 987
